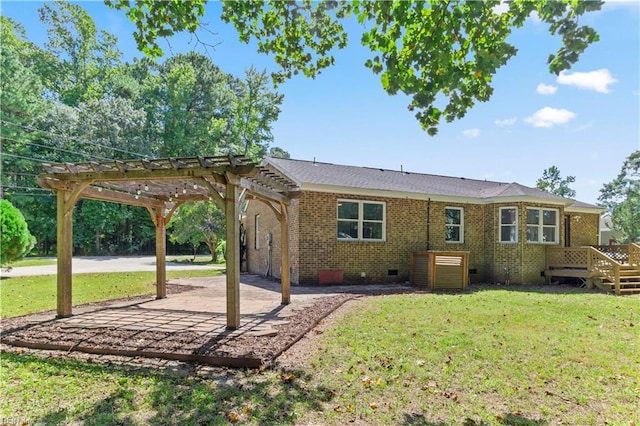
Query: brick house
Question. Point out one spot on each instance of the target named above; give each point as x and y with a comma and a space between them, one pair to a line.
366, 223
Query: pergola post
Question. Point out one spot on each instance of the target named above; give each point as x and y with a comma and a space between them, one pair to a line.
161, 251
233, 260
285, 279
64, 242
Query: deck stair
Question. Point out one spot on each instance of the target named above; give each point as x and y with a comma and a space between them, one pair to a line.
610, 268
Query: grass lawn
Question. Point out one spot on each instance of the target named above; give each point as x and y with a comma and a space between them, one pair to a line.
28, 294
34, 261
491, 357
201, 259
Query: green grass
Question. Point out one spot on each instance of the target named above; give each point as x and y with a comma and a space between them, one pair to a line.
491, 357
34, 261
200, 259
28, 294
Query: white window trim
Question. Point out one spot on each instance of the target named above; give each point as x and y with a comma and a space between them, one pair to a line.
510, 224
461, 225
257, 232
360, 219
541, 226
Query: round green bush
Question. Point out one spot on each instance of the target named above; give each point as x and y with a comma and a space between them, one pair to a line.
16, 240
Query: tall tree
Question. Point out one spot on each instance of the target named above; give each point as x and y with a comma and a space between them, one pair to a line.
622, 197
254, 109
81, 57
442, 54
552, 182
21, 103
195, 93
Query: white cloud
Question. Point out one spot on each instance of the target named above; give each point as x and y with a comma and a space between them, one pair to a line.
546, 89
549, 117
502, 7
595, 80
471, 133
506, 122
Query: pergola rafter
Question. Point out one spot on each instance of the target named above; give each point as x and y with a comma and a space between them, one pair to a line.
161, 185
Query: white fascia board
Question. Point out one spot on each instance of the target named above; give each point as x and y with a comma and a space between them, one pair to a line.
525, 199
598, 210
380, 193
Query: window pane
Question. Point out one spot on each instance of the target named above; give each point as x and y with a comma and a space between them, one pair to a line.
347, 229
452, 233
508, 234
372, 211
452, 216
347, 210
549, 234
372, 231
533, 216
508, 216
532, 234
549, 217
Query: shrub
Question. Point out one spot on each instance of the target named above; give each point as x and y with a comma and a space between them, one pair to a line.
16, 240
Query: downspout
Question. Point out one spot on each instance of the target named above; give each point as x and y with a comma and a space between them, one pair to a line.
428, 224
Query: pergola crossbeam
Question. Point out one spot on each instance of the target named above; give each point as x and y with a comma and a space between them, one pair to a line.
161, 185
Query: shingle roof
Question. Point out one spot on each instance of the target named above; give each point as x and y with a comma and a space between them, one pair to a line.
311, 173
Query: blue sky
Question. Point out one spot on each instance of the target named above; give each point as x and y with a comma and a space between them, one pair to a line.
585, 122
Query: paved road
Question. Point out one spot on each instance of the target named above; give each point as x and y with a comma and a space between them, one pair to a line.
103, 264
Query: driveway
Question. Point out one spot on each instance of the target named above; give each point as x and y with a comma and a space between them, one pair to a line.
87, 264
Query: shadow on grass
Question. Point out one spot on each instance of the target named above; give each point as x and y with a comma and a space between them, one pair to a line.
177, 395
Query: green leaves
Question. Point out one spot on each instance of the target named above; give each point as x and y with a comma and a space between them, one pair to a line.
156, 19
552, 182
442, 54
300, 35
622, 197
17, 241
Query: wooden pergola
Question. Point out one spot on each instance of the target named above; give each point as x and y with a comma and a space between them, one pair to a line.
162, 185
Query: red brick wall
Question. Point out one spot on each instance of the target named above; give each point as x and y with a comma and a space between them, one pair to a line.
257, 259
314, 246
584, 229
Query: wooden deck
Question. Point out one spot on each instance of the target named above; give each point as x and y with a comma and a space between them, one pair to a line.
611, 268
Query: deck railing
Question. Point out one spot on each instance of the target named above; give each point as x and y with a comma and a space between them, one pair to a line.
619, 253
634, 254
605, 265
567, 257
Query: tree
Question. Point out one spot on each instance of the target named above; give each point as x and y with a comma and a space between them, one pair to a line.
622, 198
21, 102
197, 223
552, 182
277, 152
195, 94
442, 54
81, 58
247, 131
16, 240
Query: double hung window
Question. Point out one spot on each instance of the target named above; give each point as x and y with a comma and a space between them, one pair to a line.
361, 220
454, 224
508, 224
542, 226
